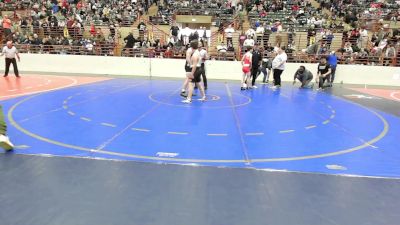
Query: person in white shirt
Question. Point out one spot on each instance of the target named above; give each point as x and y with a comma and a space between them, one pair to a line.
234, 4
251, 32
278, 65
260, 32
185, 35
249, 42
229, 33
203, 58
10, 52
363, 41
188, 70
222, 47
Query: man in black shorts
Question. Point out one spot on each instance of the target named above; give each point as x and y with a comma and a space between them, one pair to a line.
323, 74
188, 70
195, 75
203, 58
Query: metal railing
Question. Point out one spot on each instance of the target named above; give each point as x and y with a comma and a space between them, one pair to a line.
179, 53
89, 49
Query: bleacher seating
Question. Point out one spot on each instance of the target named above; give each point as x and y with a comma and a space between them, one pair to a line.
106, 32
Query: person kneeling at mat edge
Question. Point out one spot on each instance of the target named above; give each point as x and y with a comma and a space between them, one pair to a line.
323, 74
304, 76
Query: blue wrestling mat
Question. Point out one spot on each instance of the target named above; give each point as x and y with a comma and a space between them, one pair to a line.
144, 120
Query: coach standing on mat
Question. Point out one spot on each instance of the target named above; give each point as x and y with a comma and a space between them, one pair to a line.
10, 52
255, 67
278, 64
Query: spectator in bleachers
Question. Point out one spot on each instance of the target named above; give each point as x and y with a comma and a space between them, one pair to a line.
251, 33
229, 31
259, 34
222, 48
291, 48
249, 42
36, 43
389, 54
174, 31
363, 56
348, 49
267, 33
129, 42
203, 36
291, 33
142, 28
323, 50
50, 18
240, 17
7, 24
194, 36
363, 40
382, 44
329, 38
354, 36
312, 50
230, 47
185, 33
242, 38
311, 34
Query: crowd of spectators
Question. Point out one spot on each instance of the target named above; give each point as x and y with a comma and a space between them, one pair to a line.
367, 40
174, 46
41, 25
53, 23
355, 27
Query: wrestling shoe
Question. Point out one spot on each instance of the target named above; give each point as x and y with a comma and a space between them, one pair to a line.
187, 101
5, 143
